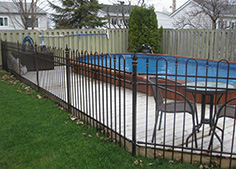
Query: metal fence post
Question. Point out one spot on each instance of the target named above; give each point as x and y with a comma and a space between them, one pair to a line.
4, 55
18, 51
68, 79
36, 66
134, 102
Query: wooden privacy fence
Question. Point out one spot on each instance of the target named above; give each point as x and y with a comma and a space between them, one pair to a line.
207, 44
99, 40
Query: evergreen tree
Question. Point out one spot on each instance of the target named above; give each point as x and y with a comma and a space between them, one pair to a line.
77, 14
143, 29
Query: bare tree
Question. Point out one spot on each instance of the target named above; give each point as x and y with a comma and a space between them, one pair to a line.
28, 11
109, 18
121, 10
204, 14
141, 2
34, 12
117, 16
123, 13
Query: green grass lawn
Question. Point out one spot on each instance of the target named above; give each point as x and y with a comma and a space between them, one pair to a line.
36, 133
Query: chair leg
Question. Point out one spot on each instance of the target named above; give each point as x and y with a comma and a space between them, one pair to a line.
212, 137
195, 107
159, 128
217, 136
195, 135
211, 141
197, 119
155, 126
195, 129
194, 132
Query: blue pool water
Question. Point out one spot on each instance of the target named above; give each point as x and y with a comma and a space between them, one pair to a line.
167, 65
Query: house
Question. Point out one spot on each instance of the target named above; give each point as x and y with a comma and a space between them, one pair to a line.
188, 16
10, 18
117, 15
164, 20
228, 20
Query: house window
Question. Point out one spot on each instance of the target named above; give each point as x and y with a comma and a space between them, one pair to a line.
29, 22
219, 25
231, 25
3, 21
225, 24
113, 21
127, 21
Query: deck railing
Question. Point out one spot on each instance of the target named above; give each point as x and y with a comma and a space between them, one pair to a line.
100, 90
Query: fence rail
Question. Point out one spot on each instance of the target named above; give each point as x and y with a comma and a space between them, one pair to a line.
109, 92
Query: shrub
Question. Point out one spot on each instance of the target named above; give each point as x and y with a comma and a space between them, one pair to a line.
143, 29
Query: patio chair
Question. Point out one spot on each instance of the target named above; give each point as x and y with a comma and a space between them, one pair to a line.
178, 106
223, 110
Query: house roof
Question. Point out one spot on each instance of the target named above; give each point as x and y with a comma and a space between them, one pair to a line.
180, 8
117, 7
226, 10
231, 9
10, 7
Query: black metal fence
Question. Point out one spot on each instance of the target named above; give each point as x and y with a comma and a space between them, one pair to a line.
155, 106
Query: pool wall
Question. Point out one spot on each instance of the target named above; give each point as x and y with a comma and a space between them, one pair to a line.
124, 79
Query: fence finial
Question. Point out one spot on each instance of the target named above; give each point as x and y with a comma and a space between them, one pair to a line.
35, 47
67, 48
135, 58
67, 52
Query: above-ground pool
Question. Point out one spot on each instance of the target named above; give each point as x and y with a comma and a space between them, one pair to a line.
166, 66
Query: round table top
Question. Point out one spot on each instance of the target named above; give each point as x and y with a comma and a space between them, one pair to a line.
209, 87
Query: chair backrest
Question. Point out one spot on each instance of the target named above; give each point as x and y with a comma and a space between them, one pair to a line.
156, 92
227, 110
157, 88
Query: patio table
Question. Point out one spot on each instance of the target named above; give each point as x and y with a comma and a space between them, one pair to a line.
208, 88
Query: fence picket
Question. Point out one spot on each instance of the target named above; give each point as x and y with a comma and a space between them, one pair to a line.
207, 44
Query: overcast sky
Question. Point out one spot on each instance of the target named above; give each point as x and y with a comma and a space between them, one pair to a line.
159, 5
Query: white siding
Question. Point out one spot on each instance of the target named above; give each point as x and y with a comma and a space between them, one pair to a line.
164, 20
200, 22
13, 25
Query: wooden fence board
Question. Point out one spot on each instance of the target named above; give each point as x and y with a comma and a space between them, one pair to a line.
207, 44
